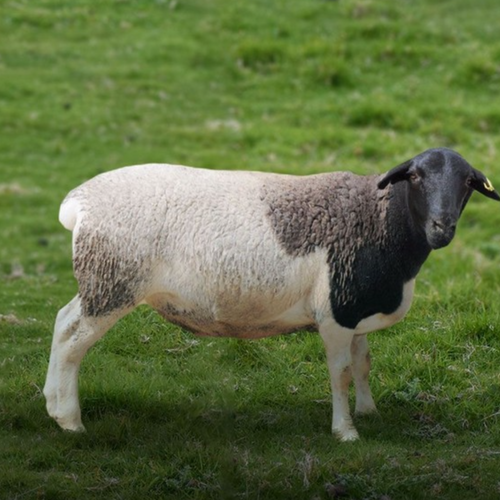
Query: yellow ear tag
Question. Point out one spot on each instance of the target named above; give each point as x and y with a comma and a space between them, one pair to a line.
488, 185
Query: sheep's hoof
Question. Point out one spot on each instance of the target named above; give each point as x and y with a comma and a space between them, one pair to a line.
346, 434
77, 430
74, 427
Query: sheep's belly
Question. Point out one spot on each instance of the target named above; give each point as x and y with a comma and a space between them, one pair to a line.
250, 324
220, 329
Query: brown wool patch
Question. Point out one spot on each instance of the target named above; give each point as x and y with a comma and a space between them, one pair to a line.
338, 211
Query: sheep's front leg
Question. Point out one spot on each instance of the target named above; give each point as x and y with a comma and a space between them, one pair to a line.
360, 352
338, 342
74, 334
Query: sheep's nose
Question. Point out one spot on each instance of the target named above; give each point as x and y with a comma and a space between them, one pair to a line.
442, 226
440, 232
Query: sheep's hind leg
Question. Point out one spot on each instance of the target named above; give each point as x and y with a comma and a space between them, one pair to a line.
65, 317
361, 370
337, 342
74, 335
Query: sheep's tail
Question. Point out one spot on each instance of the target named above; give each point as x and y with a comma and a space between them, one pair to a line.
69, 213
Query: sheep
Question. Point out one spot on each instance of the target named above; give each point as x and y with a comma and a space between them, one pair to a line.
252, 254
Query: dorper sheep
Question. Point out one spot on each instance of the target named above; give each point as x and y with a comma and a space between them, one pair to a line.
249, 255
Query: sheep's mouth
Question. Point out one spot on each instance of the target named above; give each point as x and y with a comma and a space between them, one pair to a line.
439, 238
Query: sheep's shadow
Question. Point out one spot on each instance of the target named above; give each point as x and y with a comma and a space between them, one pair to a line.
161, 423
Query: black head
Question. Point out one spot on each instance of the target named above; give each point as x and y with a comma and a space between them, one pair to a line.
440, 182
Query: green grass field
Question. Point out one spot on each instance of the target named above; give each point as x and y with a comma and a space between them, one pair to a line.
300, 87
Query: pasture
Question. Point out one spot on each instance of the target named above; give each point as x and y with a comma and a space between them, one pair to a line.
299, 87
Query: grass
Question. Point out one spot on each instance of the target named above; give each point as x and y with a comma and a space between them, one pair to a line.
299, 87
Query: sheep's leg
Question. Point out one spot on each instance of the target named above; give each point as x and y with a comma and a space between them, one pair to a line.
338, 352
66, 316
74, 334
361, 370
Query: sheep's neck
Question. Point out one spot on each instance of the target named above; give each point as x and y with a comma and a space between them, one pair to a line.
405, 235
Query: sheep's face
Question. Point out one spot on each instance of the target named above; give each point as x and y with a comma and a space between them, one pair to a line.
439, 184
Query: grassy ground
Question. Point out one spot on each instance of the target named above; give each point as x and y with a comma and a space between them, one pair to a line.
301, 87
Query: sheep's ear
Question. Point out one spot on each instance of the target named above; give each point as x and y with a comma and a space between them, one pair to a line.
397, 174
483, 185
